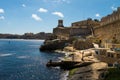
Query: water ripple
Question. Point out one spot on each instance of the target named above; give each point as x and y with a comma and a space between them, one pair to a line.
8, 54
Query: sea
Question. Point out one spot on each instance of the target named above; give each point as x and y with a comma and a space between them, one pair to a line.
22, 60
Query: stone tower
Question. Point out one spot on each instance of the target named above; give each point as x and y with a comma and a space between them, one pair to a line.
60, 23
118, 8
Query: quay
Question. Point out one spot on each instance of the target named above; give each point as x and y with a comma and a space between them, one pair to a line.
67, 65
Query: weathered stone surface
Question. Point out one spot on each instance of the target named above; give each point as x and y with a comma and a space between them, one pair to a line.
98, 66
90, 58
94, 71
109, 27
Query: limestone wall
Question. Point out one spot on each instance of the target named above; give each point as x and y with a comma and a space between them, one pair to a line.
61, 33
86, 23
80, 31
111, 18
109, 27
81, 28
107, 32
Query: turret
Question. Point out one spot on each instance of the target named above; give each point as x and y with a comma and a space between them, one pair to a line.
118, 8
60, 23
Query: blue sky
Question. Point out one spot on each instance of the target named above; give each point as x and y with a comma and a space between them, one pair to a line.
21, 16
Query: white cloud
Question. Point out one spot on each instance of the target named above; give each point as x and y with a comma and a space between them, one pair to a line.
1, 10
58, 14
2, 17
97, 15
36, 17
23, 5
113, 8
43, 10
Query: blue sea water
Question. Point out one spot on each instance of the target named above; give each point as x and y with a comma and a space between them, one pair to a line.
22, 60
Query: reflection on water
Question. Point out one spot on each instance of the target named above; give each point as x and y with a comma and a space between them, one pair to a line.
3, 55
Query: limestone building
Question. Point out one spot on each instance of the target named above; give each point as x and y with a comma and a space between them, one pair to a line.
60, 31
80, 28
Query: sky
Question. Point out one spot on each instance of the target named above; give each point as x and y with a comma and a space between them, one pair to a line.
22, 16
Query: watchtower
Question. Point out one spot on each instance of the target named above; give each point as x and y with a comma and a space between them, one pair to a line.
60, 23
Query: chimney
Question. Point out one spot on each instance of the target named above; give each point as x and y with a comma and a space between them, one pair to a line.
60, 23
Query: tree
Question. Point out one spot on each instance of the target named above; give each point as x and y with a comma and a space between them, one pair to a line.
96, 20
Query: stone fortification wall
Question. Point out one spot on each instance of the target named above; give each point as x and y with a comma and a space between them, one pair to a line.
80, 28
80, 31
61, 32
86, 23
109, 27
111, 17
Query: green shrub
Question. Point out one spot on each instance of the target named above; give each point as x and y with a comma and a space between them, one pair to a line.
114, 74
72, 71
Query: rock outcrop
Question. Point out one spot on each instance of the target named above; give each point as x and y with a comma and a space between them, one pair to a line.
95, 71
53, 45
80, 44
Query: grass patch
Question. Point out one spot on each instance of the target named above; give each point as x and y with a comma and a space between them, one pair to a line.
114, 74
71, 72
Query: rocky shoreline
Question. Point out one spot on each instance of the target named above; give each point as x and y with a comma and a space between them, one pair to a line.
79, 55
95, 71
